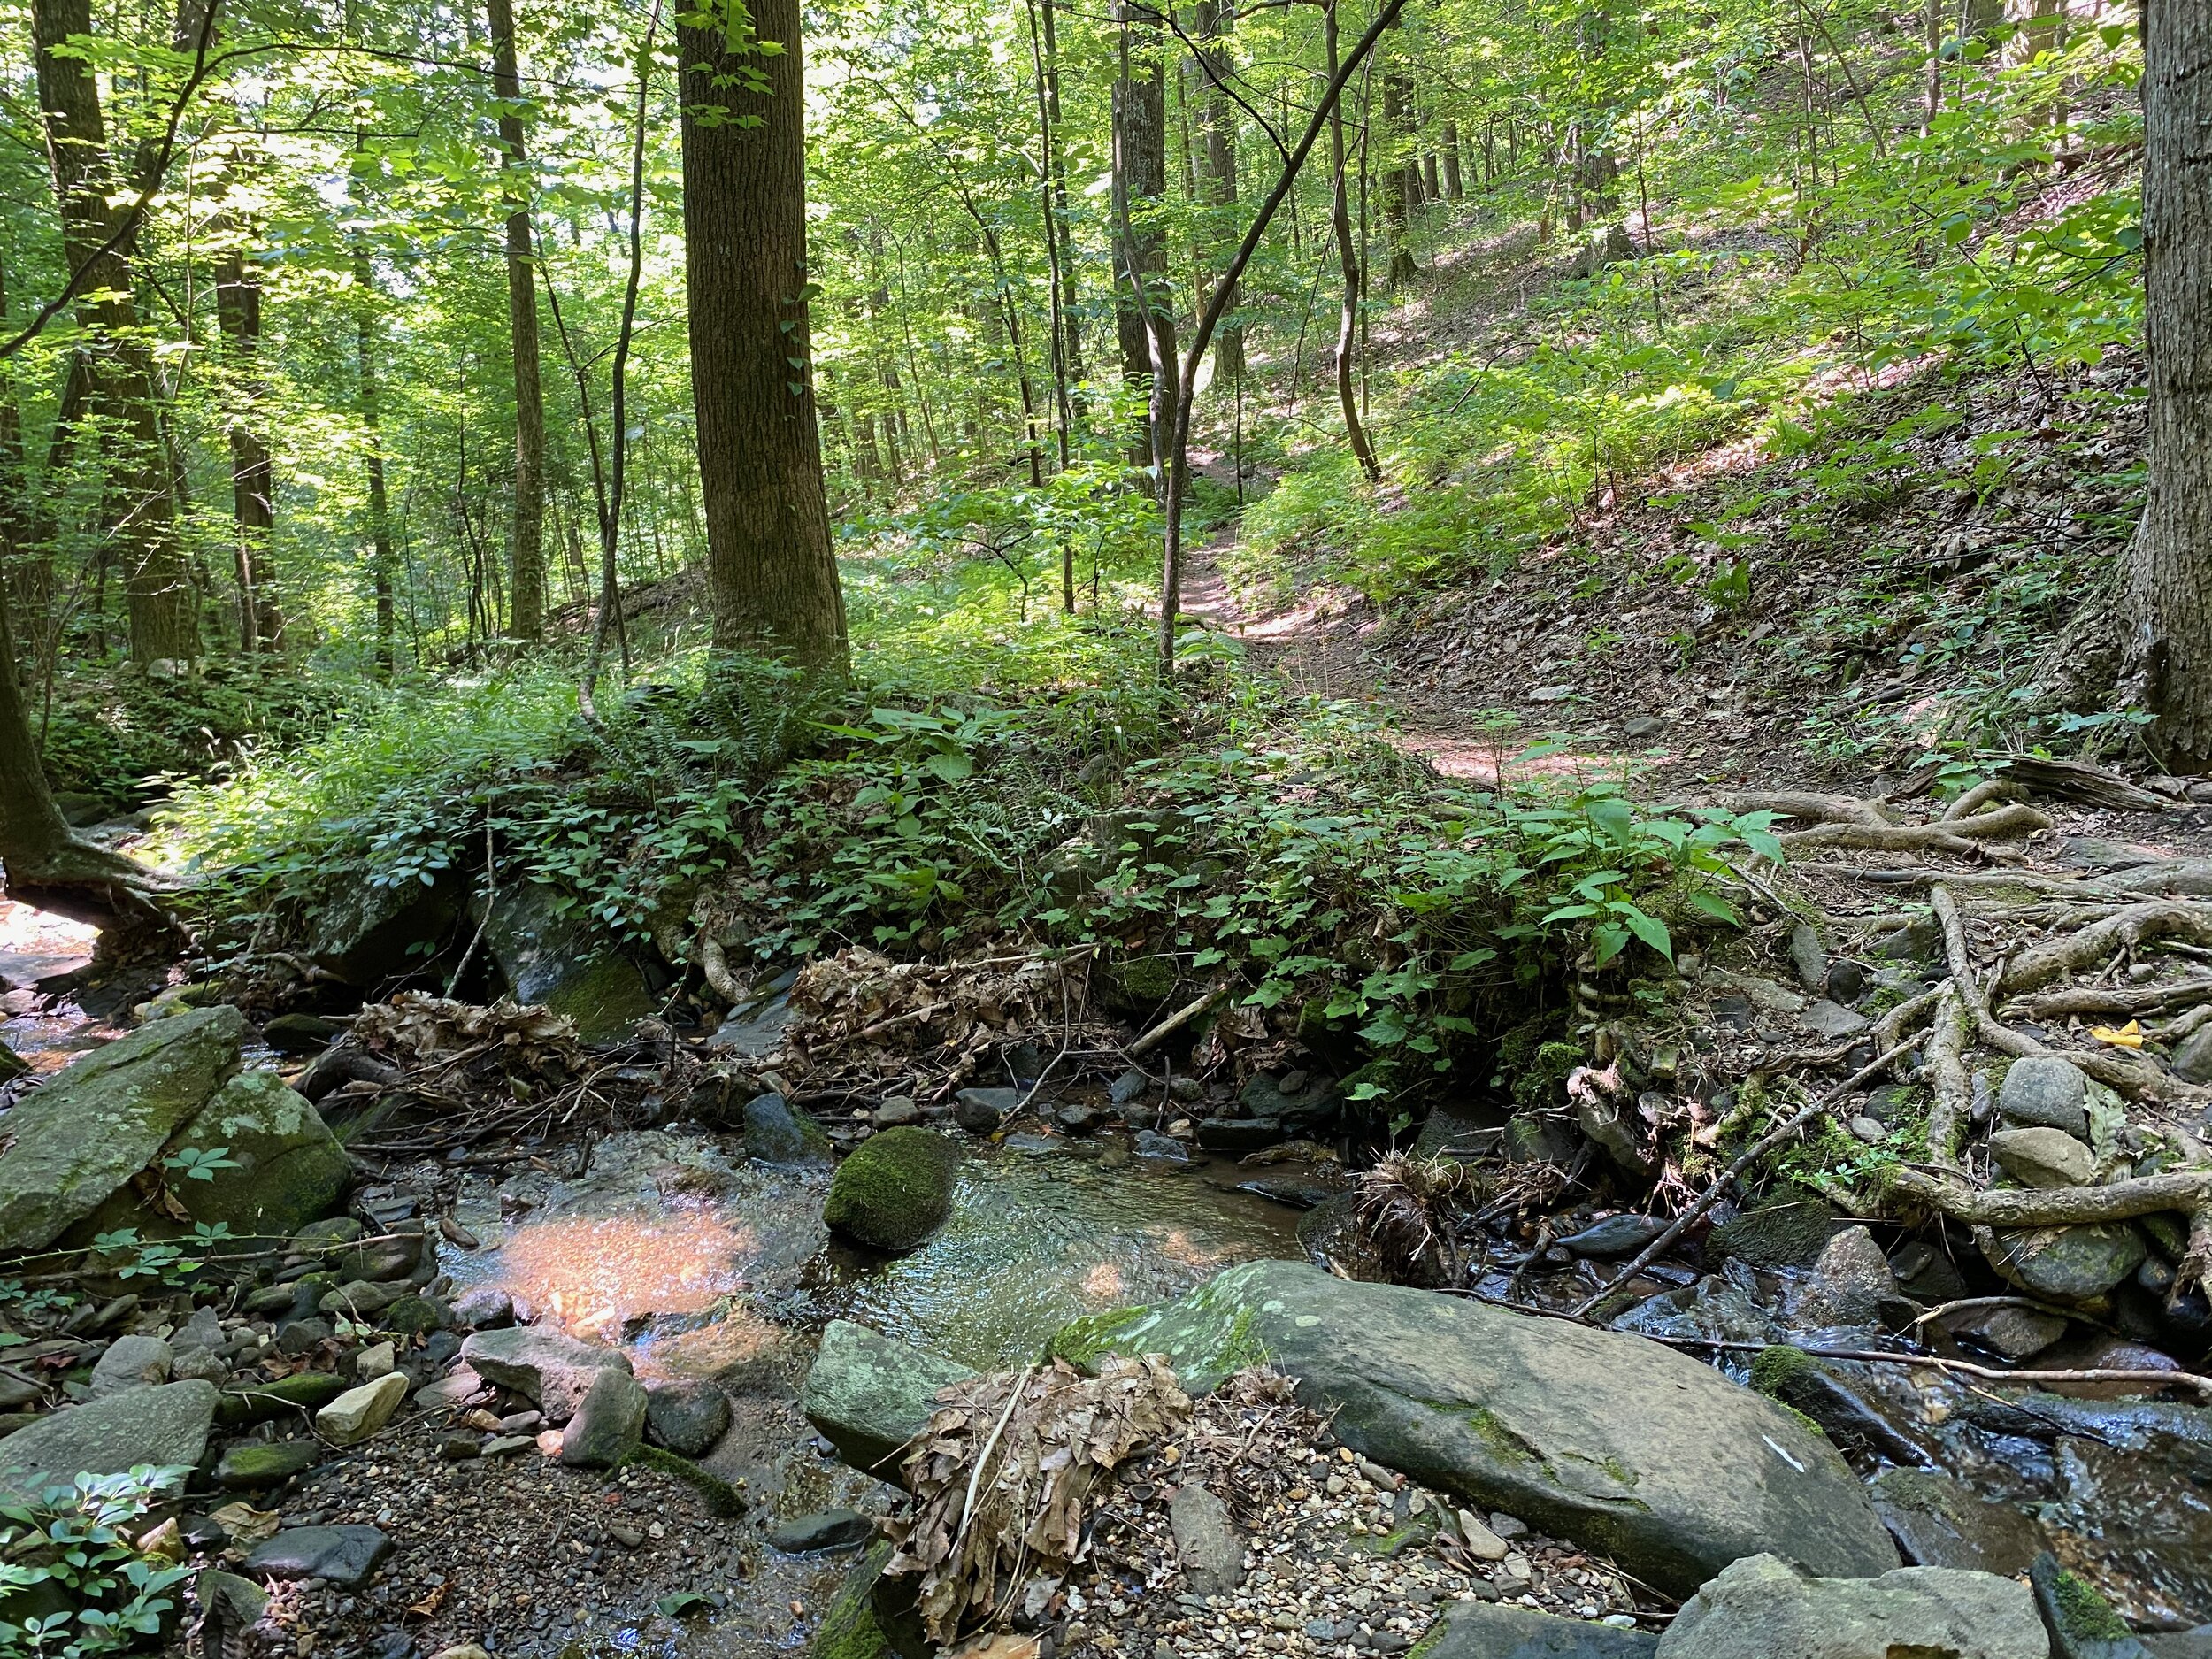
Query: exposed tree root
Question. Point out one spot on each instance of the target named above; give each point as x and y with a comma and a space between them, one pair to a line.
2115, 999
121, 898
1954, 1091
1967, 880
2185, 1190
2077, 781
1981, 795
2093, 945
1814, 809
1952, 836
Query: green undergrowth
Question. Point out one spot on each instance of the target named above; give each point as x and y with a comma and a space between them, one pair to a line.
1221, 831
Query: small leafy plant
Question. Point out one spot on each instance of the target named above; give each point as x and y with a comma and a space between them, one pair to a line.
75, 1543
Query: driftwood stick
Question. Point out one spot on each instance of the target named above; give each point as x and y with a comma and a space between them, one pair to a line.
1175, 1022
1749, 1155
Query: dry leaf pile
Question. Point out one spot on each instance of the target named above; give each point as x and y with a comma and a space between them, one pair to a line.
1005, 1474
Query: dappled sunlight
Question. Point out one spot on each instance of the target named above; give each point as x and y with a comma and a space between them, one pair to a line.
592, 1275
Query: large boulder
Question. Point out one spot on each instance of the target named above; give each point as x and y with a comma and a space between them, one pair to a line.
1940, 1522
369, 934
554, 1369
164, 1426
896, 1190
1602, 1437
74, 1141
870, 1394
1484, 1630
563, 963
2068, 1264
1766, 1607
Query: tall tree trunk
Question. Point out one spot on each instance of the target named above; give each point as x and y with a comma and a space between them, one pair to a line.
1348, 261
372, 436
252, 482
2171, 561
1218, 168
771, 572
1454, 187
163, 609
1070, 320
1052, 195
1143, 314
1397, 187
526, 560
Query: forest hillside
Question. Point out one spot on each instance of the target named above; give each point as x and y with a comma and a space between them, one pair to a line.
985, 827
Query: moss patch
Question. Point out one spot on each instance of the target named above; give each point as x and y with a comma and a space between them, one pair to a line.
896, 1190
722, 1499
848, 1628
1779, 1367
1083, 1342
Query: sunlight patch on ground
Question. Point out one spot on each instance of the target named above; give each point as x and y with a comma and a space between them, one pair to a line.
591, 1275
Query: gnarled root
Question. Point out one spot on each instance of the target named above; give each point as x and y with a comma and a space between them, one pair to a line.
2186, 1190
2096, 943
1813, 808
1947, 1071
1951, 835
121, 898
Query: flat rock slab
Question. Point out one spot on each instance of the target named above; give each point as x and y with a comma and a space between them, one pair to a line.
1763, 1608
1602, 1437
869, 1394
1483, 1629
344, 1556
830, 1529
164, 1426
554, 1370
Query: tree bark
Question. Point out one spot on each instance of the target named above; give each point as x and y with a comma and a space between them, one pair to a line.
1454, 186
526, 559
1347, 261
1398, 186
380, 560
2172, 651
771, 572
163, 608
1217, 171
252, 479
1141, 298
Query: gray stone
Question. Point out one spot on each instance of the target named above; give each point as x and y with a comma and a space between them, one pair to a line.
753, 1031
1940, 1522
360, 1412
250, 1464
981, 1111
342, 1556
290, 1167
1834, 1021
564, 963
1455, 1137
1596, 1436
300, 1033
830, 1529
2081, 1623
870, 1394
1131, 1085
486, 1308
1486, 1630
204, 1329
1776, 1235
1808, 959
1236, 1136
74, 1141
2013, 1331
894, 1191
2043, 1092
1160, 1148
688, 1418
131, 1362
1849, 1282
1764, 1607
1927, 1274
1615, 1237
1206, 1540
508, 1445
164, 1426
2043, 1157
2067, 1263
777, 1132
370, 933
608, 1424
546, 1367
2192, 1061
898, 1112
2180, 1644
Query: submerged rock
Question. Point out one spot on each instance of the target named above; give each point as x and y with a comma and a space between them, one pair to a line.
829, 1529
869, 1394
554, 1370
74, 1141
1940, 1522
1763, 1607
164, 1426
894, 1190
1597, 1436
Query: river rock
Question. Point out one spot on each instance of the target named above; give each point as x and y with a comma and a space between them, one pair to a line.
687, 1417
608, 1424
2013, 1331
75, 1140
1155, 1147
1844, 1413
869, 1394
2096, 1351
1615, 1237
1765, 1607
1233, 1137
1941, 1522
754, 1030
358, 1413
342, 1556
369, 934
2041, 1091
563, 963
131, 1362
894, 1190
1775, 1235
249, 1466
290, 1167
1485, 1630
300, 1033
164, 1426
1808, 958
1597, 1436
1849, 1282
777, 1132
243, 1403
553, 1369
1206, 1540
2043, 1157
2068, 1262
2192, 1061
485, 1307
1833, 1020
981, 1111
2082, 1624
830, 1529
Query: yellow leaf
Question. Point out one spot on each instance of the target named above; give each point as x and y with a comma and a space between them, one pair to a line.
2128, 1036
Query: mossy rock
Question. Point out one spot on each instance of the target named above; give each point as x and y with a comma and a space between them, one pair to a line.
848, 1628
1141, 985
1543, 1082
302, 1392
1776, 1235
894, 1191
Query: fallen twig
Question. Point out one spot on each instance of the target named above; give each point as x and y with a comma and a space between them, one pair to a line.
1175, 1022
1995, 1373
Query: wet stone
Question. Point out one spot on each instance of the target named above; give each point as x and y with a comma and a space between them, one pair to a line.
343, 1556
687, 1417
2041, 1092
1941, 1522
1615, 1237
830, 1529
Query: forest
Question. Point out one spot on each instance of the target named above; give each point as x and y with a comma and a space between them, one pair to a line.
1042, 829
